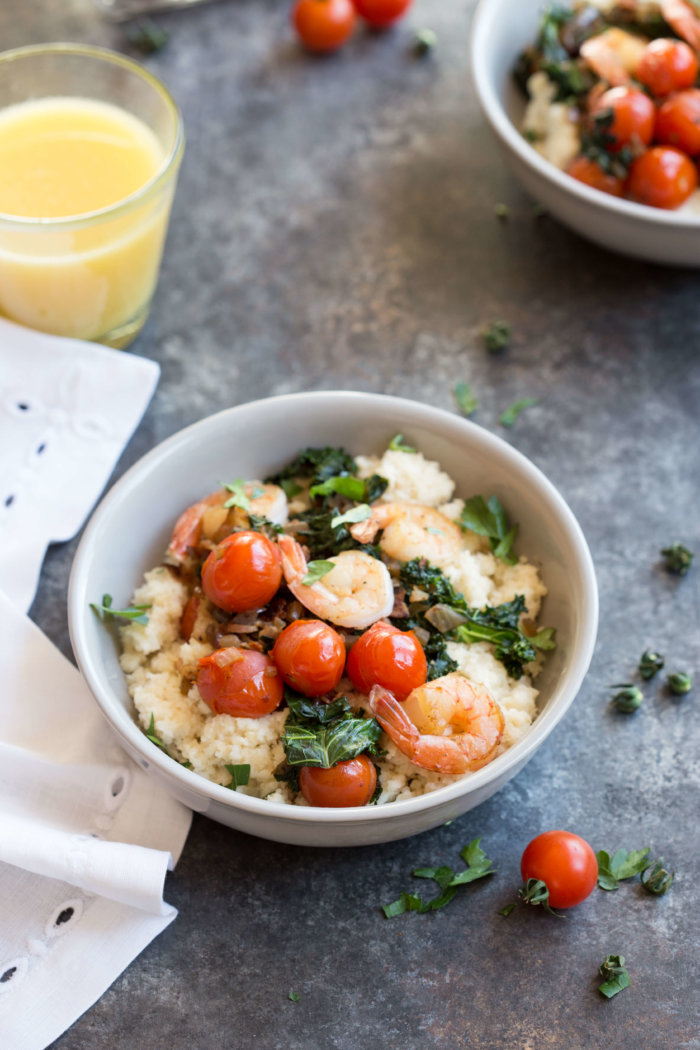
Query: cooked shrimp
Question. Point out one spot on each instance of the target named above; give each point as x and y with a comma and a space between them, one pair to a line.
449, 725
614, 55
355, 593
681, 16
410, 531
208, 514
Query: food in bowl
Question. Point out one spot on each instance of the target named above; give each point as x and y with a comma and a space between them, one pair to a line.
346, 632
613, 97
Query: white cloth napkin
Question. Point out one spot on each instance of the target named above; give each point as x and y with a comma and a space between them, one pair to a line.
86, 837
67, 409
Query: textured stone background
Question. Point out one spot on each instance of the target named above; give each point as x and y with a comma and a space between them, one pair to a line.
334, 227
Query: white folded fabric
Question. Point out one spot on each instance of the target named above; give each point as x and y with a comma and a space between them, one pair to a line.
67, 409
86, 838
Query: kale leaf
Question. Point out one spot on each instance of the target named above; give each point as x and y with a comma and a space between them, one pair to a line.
319, 734
319, 464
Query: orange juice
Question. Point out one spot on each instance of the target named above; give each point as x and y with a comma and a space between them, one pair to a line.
87, 262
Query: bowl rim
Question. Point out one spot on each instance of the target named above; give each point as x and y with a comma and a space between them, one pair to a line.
564, 692
484, 30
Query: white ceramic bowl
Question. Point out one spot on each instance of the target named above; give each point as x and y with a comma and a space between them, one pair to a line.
500, 31
129, 531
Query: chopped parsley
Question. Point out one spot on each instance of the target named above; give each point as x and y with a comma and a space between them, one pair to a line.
621, 865
397, 444
316, 570
497, 336
614, 974
152, 736
359, 513
678, 558
240, 775
466, 402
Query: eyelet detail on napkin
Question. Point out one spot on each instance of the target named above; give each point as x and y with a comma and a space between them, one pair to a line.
117, 788
9, 500
12, 972
65, 916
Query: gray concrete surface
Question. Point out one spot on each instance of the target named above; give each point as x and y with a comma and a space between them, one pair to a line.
334, 227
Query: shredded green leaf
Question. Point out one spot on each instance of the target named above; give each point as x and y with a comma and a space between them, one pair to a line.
466, 402
622, 865
508, 418
294, 997
448, 881
616, 977
238, 494
359, 513
344, 485
135, 613
316, 570
240, 775
489, 519
152, 736
397, 444
497, 336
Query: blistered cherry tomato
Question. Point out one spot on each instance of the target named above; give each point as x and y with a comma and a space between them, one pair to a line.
565, 862
589, 172
666, 66
239, 682
382, 13
662, 177
323, 25
633, 116
243, 572
678, 122
349, 783
310, 656
386, 656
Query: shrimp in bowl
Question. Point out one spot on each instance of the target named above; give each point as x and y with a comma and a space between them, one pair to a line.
343, 633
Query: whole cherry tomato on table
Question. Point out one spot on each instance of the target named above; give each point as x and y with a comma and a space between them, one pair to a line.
349, 783
239, 682
678, 122
243, 572
662, 177
310, 656
591, 174
633, 116
323, 25
382, 13
565, 862
386, 656
667, 65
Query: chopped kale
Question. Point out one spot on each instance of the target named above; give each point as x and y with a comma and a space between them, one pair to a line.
319, 734
319, 464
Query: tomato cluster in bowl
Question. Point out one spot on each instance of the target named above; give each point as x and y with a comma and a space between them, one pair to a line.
242, 573
642, 141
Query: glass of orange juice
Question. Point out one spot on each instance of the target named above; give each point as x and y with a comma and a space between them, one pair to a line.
90, 146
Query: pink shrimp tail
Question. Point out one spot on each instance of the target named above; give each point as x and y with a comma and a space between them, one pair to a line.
680, 16
292, 557
393, 719
188, 527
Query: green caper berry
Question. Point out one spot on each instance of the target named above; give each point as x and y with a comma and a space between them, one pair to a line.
650, 663
680, 683
628, 699
678, 558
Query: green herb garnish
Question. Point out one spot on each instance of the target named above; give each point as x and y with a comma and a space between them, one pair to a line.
359, 513
319, 464
289, 487
489, 520
650, 663
680, 683
501, 211
316, 570
344, 485
615, 976
397, 444
238, 496
656, 879
318, 734
544, 639
678, 558
294, 997
135, 613
622, 865
497, 625
508, 418
151, 735
240, 775
466, 402
628, 699
449, 882
497, 336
